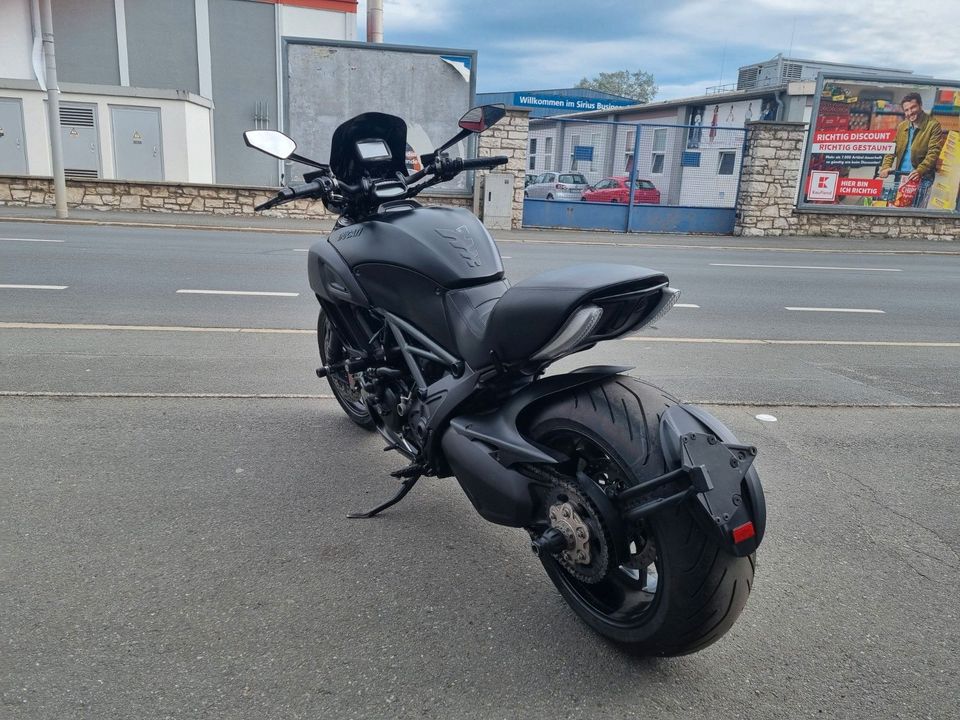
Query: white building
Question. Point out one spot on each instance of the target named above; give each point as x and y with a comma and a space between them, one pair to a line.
154, 90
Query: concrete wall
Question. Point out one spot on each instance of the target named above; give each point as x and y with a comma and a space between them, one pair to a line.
16, 46
767, 203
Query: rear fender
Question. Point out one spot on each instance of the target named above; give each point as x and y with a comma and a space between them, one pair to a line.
499, 428
730, 495
481, 450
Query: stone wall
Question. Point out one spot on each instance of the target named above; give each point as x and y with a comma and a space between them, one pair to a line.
508, 137
169, 197
768, 193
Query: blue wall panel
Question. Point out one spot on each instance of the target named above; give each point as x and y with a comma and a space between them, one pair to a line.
645, 218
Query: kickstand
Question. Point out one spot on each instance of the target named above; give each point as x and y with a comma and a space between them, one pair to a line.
405, 487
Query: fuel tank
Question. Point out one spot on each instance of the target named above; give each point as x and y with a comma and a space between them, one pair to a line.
406, 259
449, 246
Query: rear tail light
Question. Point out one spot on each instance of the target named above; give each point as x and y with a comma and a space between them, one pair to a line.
561, 186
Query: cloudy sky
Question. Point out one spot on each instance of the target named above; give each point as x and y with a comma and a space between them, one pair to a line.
688, 45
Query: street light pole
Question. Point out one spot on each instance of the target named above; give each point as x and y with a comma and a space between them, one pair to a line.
53, 108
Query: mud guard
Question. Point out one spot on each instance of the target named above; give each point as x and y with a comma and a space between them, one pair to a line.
728, 487
482, 449
499, 428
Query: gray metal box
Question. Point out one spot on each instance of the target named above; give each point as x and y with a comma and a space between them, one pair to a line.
498, 201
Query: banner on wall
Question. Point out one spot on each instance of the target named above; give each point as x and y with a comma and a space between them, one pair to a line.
884, 146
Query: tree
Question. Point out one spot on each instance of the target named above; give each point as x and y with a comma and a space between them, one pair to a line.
639, 85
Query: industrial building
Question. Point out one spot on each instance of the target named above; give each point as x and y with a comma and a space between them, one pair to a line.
155, 90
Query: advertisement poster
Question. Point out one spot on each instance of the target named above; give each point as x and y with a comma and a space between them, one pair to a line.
885, 146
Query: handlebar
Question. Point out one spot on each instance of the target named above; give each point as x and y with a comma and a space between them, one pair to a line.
441, 168
483, 162
291, 193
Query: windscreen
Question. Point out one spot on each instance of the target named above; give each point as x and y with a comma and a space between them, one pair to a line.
390, 130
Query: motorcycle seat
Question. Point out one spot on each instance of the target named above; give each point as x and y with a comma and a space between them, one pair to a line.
516, 321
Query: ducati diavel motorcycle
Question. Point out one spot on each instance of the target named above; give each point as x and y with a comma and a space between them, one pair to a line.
644, 511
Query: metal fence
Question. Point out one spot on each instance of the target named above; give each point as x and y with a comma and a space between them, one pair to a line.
578, 165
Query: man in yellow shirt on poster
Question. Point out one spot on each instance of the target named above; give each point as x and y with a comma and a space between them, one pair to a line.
919, 139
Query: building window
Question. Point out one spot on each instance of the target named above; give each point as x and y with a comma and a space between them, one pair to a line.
660, 140
727, 161
628, 151
656, 164
533, 154
548, 152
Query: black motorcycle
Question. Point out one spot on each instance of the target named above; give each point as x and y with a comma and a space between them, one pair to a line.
645, 512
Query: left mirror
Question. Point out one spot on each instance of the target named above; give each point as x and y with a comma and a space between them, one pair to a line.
270, 142
480, 118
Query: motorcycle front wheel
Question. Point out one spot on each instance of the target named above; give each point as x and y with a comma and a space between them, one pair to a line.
678, 590
344, 387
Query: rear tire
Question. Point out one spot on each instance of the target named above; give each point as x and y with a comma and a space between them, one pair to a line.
699, 589
331, 351
550, 196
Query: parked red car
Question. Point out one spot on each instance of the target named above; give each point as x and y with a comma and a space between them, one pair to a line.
614, 190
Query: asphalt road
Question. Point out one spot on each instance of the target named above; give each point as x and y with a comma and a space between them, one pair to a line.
188, 556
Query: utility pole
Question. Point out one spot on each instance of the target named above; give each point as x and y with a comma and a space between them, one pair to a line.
374, 21
53, 108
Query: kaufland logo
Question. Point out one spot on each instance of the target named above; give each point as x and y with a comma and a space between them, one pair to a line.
823, 185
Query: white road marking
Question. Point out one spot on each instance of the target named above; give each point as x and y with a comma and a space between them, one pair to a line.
30, 240
237, 292
301, 249
763, 417
686, 305
35, 287
840, 310
806, 267
150, 328
507, 257
635, 338
226, 396
760, 341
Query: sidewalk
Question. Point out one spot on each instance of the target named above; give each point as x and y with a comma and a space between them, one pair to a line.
260, 223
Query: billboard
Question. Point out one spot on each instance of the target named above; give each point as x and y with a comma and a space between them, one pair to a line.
328, 82
883, 146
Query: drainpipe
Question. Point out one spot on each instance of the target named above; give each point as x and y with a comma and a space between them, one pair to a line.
53, 108
374, 21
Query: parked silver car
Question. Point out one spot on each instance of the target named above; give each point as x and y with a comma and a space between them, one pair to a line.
557, 186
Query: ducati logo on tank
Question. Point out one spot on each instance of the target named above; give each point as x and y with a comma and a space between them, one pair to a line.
462, 240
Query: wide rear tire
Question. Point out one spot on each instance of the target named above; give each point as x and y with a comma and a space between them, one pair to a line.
693, 591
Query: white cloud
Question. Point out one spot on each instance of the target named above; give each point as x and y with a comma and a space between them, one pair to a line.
923, 37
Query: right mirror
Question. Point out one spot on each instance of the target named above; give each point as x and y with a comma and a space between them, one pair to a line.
480, 118
270, 142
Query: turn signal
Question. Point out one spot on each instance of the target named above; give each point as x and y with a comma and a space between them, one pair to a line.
743, 532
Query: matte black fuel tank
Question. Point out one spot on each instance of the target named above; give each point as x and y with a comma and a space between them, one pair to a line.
448, 246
